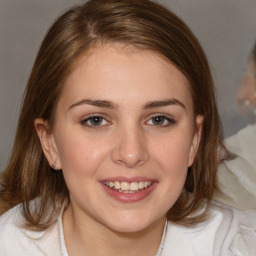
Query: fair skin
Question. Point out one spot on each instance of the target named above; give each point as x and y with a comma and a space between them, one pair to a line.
124, 137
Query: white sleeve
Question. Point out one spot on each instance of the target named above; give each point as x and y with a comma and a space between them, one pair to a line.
237, 177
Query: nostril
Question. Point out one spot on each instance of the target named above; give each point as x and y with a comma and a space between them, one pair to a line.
137, 157
130, 148
130, 164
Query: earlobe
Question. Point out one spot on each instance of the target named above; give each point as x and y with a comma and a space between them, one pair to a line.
196, 139
47, 142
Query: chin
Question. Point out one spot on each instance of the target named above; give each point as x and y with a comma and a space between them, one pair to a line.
129, 223
129, 228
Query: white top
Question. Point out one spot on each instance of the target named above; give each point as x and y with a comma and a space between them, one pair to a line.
237, 177
228, 232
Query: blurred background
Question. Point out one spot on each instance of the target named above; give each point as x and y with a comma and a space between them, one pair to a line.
225, 28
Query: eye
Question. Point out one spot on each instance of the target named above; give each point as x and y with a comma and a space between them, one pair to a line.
161, 120
94, 121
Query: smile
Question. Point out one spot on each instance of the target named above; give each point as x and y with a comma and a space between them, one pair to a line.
126, 187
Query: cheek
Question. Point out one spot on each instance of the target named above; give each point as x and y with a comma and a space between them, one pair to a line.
81, 155
172, 159
173, 155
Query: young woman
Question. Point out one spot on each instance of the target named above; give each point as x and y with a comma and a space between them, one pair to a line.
116, 146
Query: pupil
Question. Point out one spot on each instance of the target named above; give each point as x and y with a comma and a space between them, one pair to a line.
158, 120
96, 120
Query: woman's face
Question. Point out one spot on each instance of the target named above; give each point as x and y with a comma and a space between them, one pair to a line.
124, 136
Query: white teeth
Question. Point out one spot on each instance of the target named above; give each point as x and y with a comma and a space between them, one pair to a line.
134, 186
126, 187
141, 185
146, 183
117, 185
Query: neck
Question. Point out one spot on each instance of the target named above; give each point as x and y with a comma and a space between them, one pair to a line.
91, 238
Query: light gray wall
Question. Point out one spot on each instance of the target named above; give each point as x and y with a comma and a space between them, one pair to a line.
226, 29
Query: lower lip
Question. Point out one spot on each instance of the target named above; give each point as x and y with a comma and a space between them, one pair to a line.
129, 197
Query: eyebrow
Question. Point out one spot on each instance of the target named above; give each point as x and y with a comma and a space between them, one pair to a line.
96, 103
163, 103
109, 105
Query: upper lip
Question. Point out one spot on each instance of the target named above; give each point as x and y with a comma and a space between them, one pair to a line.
128, 179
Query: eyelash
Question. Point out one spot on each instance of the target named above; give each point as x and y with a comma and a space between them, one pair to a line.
164, 118
93, 117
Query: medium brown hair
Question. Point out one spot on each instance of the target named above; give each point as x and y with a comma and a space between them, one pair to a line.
142, 24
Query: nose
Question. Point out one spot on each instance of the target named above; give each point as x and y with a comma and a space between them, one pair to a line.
130, 148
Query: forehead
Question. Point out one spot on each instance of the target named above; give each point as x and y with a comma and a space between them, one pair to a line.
111, 70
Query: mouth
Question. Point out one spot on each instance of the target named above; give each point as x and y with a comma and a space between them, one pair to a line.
128, 187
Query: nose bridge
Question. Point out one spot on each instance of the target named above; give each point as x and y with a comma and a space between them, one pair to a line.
131, 146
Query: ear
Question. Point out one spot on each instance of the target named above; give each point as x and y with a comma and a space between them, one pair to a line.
48, 143
196, 139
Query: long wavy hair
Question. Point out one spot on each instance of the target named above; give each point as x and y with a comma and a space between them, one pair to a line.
28, 179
